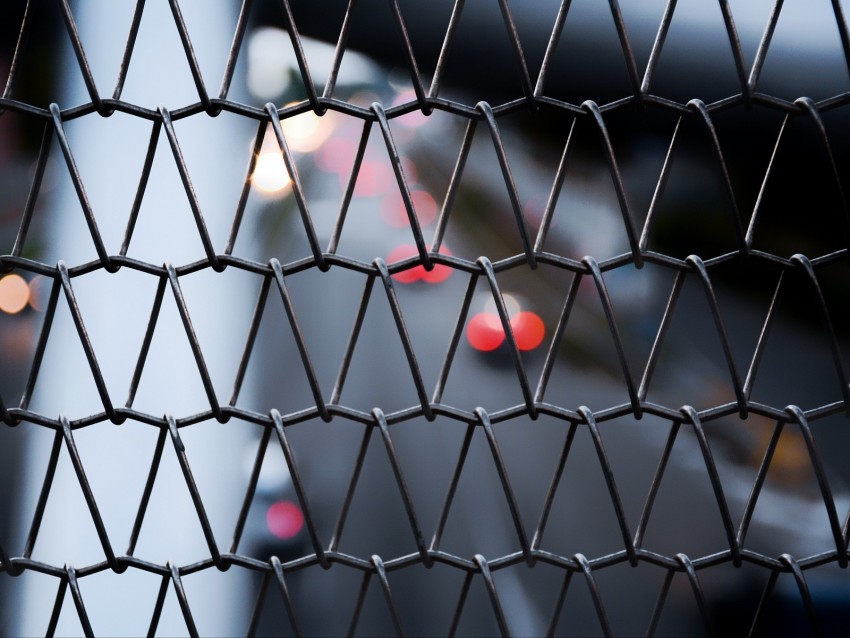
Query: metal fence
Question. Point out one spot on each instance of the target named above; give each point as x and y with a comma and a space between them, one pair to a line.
693, 369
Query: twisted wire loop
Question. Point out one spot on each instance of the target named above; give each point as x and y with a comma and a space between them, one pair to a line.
538, 250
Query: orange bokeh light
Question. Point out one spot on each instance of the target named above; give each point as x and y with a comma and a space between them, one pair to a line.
14, 294
270, 175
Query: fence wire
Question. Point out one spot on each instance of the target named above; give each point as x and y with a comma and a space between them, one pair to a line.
811, 272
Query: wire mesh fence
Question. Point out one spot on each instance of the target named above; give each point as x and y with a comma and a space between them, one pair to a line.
643, 431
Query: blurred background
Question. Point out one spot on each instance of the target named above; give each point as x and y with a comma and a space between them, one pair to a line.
801, 209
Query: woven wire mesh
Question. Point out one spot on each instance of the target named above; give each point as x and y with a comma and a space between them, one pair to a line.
792, 270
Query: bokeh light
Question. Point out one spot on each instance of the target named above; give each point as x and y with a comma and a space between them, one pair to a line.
306, 132
14, 294
528, 330
284, 519
394, 213
438, 274
336, 155
374, 178
484, 331
270, 175
414, 119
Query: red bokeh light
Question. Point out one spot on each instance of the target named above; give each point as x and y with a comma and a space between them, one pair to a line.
414, 119
528, 330
374, 178
484, 331
336, 155
394, 213
284, 519
438, 274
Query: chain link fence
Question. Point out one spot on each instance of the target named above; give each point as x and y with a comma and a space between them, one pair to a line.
662, 451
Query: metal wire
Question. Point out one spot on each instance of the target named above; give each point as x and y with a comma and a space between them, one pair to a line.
273, 274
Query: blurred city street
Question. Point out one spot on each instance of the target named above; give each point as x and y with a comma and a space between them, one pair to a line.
632, 405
